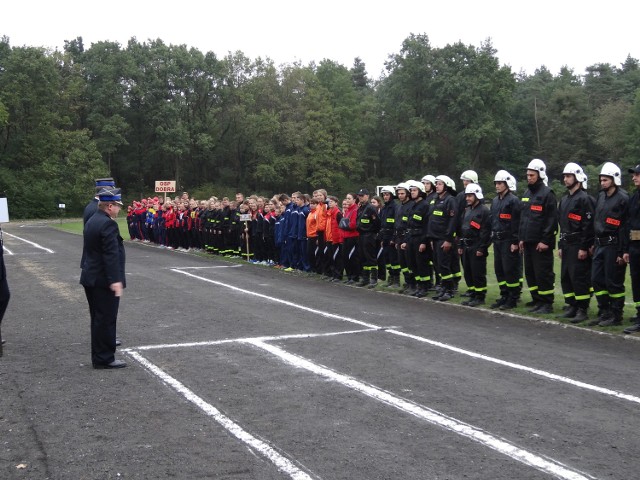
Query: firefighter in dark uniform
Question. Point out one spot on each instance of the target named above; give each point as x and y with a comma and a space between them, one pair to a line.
505, 224
575, 215
368, 226
429, 182
388, 214
416, 243
442, 231
103, 277
474, 241
402, 216
610, 244
632, 253
538, 228
468, 177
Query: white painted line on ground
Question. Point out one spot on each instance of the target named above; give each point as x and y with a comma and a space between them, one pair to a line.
500, 445
284, 302
29, 242
535, 371
282, 463
262, 339
9, 252
205, 268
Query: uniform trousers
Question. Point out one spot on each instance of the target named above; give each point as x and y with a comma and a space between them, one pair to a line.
607, 278
445, 263
508, 268
538, 270
475, 271
575, 277
103, 310
418, 262
367, 251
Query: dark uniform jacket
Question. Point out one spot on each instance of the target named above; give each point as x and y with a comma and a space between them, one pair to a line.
539, 215
368, 220
103, 252
575, 215
443, 218
633, 220
610, 223
388, 220
402, 215
418, 221
505, 218
475, 229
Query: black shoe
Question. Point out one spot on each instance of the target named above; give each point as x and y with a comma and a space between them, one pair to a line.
118, 342
351, 281
593, 322
108, 366
445, 296
545, 309
474, 302
411, 291
509, 304
531, 303
568, 312
468, 293
632, 328
499, 302
420, 293
581, 316
535, 307
610, 322
438, 295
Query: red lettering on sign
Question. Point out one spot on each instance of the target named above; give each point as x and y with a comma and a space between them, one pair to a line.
505, 216
536, 208
612, 221
573, 216
475, 224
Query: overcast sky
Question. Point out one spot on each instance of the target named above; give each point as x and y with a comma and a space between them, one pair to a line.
525, 34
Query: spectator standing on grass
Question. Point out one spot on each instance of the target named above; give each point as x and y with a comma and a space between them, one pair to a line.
350, 236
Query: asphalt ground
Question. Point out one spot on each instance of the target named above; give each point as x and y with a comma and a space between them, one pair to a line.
237, 371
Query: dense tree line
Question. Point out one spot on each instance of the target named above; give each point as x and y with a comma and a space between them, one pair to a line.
149, 111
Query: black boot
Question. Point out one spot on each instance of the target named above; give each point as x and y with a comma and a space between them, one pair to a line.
373, 278
580, 316
364, 281
499, 302
569, 312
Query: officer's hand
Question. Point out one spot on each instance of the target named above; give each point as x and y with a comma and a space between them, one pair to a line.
446, 246
403, 246
560, 253
592, 249
625, 257
521, 246
514, 248
116, 288
479, 253
582, 254
542, 247
422, 247
620, 261
460, 251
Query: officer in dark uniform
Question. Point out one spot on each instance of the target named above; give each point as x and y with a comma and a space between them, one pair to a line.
402, 216
389, 254
92, 206
505, 224
538, 228
610, 244
429, 182
368, 226
475, 238
468, 177
575, 214
103, 277
5, 295
416, 242
632, 253
442, 232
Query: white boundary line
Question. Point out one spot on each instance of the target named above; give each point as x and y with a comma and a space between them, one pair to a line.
261, 339
434, 417
282, 463
516, 366
9, 252
29, 242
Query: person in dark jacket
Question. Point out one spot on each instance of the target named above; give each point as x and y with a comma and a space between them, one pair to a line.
416, 242
368, 226
5, 294
389, 254
475, 238
575, 215
400, 236
505, 224
538, 228
632, 253
610, 243
103, 277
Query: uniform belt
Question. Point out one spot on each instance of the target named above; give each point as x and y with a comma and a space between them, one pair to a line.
570, 238
414, 231
465, 241
499, 235
604, 241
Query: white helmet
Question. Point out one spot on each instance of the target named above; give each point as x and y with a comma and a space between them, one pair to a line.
475, 189
416, 184
504, 176
539, 166
574, 169
388, 189
447, 181
469, 175
403, 185
429, 178
610, 169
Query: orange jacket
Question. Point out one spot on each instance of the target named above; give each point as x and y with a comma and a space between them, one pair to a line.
321, 210
312, 223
